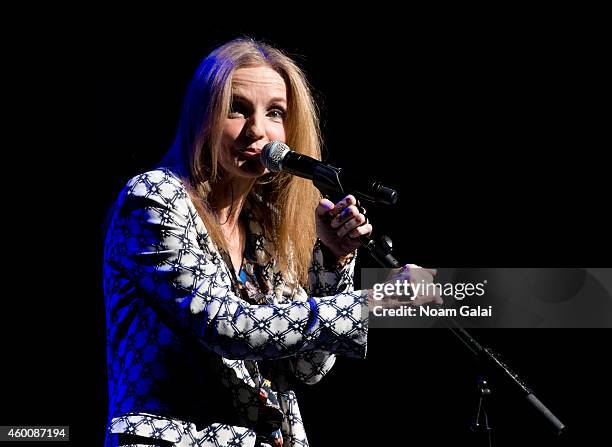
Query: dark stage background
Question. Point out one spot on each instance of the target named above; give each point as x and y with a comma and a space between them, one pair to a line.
491, 131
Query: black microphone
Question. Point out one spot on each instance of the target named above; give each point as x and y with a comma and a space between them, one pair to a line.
277, 156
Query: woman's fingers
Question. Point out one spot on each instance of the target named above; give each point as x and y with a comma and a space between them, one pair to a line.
347, 214
342, 205
422, 283
324, 207
350, 225
347, 218
340, 225
419, 269
363, 230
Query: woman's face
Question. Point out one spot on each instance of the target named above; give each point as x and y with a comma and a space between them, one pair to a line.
256, 117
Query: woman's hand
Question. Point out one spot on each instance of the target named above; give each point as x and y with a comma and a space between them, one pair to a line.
418, 277
339, 226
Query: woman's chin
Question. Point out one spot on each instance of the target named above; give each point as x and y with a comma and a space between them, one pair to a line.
252, 167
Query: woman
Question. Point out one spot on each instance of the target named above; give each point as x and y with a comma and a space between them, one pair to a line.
216, 299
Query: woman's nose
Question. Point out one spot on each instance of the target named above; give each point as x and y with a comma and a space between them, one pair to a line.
255, 129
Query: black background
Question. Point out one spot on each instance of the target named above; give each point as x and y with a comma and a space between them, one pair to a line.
491, 124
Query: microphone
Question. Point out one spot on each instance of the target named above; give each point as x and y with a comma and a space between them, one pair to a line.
335, 182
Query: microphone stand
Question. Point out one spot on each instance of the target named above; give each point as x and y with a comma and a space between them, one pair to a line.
327, 181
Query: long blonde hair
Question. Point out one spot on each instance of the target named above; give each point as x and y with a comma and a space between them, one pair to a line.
287, 211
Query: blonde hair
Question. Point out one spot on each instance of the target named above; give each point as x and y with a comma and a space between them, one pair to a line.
287, 210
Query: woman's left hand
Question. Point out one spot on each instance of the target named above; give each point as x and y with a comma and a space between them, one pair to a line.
339, 226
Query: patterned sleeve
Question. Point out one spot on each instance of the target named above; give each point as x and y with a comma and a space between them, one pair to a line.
154, 247
326, 277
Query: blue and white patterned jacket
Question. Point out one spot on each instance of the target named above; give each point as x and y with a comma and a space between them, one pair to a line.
187, 356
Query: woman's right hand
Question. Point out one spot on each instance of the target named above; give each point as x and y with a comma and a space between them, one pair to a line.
413, 274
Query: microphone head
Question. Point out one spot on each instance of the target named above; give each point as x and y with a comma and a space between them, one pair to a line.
272, 155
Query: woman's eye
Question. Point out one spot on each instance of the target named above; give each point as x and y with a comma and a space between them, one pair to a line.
277, 114
237, 110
